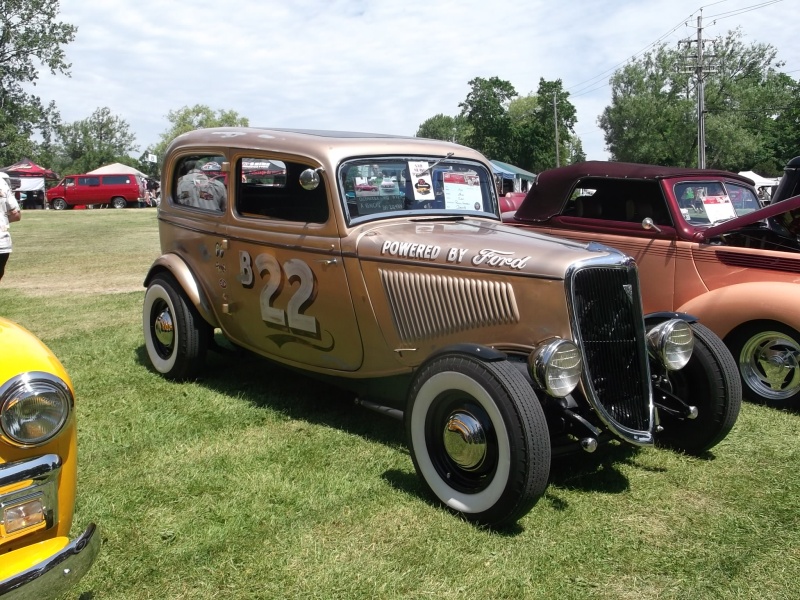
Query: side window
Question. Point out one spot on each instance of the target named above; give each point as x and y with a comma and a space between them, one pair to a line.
618, 200
271, 189
88, 181
116, 179
201, 183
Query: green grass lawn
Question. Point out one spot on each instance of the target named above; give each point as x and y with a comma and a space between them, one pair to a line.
256, 482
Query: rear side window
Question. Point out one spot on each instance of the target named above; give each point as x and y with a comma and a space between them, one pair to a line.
201, 183
116, 179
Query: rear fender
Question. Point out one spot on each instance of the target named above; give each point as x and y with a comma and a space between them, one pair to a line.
177, 267
724, 309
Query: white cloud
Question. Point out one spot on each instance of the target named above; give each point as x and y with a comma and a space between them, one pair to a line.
365, 65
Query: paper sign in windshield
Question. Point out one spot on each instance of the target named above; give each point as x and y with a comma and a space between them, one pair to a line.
718, 208
421, 180
462, 191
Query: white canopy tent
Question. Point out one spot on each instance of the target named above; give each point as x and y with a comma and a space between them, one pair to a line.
116, 168
760, 181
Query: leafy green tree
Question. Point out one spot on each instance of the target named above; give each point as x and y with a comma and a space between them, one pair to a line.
93, 142
31, 37
485, 110
188, 119
444, 127
535, 119
653, 113
784, 129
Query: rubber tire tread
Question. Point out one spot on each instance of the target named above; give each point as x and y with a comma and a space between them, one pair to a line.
715, 361
530, 476
192, 329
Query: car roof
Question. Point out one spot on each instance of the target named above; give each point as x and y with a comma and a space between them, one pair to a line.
548, 194
335, 145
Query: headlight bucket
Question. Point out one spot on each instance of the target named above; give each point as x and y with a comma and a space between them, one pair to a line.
34, 407
671, 342
556, 367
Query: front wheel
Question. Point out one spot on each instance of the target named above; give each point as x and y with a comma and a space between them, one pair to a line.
119, 202
59, 204
710, 383
478, 438
768, 354
175, 335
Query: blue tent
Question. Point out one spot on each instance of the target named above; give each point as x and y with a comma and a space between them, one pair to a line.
504, 173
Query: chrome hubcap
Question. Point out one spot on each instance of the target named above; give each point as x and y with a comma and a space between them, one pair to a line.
770, 365
464, 440
163, 328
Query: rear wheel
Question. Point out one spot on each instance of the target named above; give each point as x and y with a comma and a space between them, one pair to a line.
119, 202
175, 335
768, 355
709, 382
478, 438
59, 204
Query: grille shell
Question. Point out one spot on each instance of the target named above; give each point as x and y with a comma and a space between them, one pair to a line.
606, 311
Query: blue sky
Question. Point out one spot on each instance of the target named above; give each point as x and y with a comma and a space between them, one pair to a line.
374, 66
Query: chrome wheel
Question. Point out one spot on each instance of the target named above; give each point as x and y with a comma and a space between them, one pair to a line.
769, 362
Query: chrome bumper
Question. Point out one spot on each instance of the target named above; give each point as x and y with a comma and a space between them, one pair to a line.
52, 577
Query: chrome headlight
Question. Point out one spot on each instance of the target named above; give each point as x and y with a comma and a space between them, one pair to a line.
556, 367
34, 407
672, 343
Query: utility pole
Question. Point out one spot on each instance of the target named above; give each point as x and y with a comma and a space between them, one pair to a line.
701, 110
555, 120
700, 71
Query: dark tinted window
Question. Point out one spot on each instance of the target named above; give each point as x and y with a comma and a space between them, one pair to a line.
271, 189
116, 179
88, 180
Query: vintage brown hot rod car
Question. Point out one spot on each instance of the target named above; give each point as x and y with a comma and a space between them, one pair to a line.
496, 346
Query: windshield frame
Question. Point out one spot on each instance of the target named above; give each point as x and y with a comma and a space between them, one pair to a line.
680, 187
392, 164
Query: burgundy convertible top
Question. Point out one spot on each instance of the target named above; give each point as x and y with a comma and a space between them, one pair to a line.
552, 188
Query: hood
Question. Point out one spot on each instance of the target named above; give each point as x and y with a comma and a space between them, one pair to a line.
477, 245
771, 211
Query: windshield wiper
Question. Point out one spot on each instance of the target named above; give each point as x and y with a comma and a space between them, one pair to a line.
449, 154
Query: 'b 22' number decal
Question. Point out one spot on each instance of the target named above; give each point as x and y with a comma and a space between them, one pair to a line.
294, 269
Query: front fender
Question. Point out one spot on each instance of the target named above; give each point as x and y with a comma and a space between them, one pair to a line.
724, 309
177, 267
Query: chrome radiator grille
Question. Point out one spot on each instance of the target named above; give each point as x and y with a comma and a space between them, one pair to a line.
425, 306
608, 316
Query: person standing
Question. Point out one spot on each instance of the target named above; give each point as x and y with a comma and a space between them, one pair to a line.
9, 213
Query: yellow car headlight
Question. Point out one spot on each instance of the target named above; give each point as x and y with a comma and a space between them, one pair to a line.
34, 407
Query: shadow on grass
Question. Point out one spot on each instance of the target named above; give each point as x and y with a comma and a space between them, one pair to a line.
295, 395
299, 396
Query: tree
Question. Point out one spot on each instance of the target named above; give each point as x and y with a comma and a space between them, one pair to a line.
443, 127
535, 119
100, 139
30, 37
198, 116
653, 113
485, 110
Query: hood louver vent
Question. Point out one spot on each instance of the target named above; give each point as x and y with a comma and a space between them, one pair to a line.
425, 306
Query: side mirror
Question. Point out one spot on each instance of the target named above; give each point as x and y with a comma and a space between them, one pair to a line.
649, 224
309, 179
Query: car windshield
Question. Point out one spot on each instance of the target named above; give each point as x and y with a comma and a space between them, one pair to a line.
376, 188
709, 202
